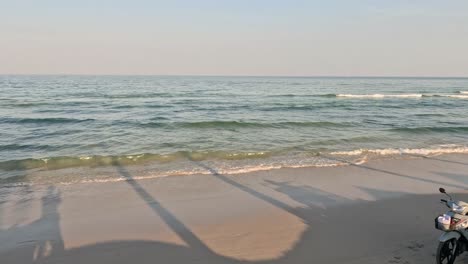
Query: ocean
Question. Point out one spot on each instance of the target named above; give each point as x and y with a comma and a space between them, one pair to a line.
173, 125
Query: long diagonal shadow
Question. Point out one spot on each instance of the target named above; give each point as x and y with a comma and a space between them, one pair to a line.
390, 172
250, 191
438, 159
175, 224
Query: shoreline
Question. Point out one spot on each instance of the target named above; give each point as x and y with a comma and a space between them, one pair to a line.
377, 212
110, 173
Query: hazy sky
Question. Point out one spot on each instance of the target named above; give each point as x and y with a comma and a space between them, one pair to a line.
236, 37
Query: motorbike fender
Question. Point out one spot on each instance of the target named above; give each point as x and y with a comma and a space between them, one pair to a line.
449, 235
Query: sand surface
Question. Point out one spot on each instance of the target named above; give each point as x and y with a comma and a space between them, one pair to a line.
378, 212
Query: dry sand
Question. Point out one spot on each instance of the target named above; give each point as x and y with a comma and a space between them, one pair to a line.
378, 212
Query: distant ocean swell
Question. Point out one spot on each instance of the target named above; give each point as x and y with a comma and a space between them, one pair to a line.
416, 130
188, 125
43, 120
79, 101
161, 122
238, 124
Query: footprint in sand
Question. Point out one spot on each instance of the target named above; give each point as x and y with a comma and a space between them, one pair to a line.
398, 259
415, 246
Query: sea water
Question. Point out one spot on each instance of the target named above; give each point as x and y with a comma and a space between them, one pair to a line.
175, 125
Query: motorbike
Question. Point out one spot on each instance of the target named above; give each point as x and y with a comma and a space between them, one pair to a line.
454, 223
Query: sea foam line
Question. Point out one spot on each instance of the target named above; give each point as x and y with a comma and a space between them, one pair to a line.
462, 95
402, 151
231, 171
380, 95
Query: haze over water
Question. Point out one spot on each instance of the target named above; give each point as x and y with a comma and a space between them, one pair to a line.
233, 124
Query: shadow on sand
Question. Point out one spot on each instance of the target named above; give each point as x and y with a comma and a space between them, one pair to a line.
28, 249
438, 159
361, 166
326, 228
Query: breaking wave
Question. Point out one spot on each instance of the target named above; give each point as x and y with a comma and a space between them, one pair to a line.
443, 149
380, 95
462, 95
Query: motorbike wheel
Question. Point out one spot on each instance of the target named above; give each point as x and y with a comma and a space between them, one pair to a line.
447, 252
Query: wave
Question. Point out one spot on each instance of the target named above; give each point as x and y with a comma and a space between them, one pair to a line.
380, 95
430, 115
283, 157
285, 95
26, 104
409, 96
54, 163
460, 96
418, 130
189, 163
303, 95
38, 147
448, 149
124, 96
23, 104
142, 106
305, 107
201, 169
175, 164
50, 120
239, 124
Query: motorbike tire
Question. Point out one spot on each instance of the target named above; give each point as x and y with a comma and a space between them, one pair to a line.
446, 252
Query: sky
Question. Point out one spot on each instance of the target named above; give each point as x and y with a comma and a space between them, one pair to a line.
235, 37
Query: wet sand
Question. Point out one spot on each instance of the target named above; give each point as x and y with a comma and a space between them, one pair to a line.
377, 212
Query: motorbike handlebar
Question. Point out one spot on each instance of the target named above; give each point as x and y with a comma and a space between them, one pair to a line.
445, 202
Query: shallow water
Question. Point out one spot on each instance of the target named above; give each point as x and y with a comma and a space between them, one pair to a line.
234, 124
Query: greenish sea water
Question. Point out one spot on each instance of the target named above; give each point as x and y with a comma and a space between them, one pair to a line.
231, 124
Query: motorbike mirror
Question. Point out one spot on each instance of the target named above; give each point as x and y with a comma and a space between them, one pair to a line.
442, 190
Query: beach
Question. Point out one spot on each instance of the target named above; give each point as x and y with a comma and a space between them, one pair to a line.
229, 132
211, 169
381, 211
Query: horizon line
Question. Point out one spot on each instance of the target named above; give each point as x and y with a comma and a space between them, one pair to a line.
237, 75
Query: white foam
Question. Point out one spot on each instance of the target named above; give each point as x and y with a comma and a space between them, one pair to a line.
444, 149
380, 95
275, 167
203, 171
361, 156
109, 180
462, 95
248, 154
